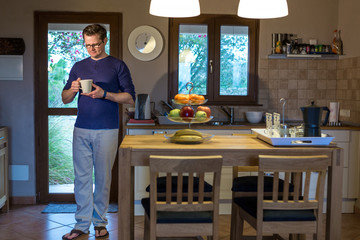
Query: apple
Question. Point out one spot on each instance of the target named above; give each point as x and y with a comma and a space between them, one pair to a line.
205, 109
175, 113
200, 115
186, 112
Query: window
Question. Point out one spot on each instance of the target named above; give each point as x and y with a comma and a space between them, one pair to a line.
218, 54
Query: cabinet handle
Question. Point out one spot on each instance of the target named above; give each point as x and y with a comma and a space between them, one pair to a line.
211, 66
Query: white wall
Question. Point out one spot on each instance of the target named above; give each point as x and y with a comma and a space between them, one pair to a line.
308, 18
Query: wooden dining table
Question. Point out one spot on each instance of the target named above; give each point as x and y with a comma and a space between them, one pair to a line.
240, 150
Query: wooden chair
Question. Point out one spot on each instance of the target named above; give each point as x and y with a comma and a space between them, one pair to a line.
188, 213
244, 184
285, 214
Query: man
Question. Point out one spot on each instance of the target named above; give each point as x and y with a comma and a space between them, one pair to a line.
95, 140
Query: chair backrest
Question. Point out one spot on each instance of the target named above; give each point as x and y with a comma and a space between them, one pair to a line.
179, 166
185, 201
298, 167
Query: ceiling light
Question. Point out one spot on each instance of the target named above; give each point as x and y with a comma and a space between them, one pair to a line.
262, 8
175, 8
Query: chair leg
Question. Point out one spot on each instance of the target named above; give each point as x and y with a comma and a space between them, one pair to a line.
233, 222
237, 224
146, 228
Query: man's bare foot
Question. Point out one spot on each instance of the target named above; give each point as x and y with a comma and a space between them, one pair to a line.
101, 232
74, 234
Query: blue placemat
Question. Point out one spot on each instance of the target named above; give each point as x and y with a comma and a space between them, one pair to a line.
71, 208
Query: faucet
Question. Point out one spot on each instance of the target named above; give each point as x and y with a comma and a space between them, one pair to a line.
230, 115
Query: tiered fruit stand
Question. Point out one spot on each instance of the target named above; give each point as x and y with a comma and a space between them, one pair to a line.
189, 120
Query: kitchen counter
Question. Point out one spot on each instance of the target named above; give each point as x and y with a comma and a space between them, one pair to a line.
241, 150
238, 125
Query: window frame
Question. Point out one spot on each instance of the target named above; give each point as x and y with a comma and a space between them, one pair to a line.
213, 85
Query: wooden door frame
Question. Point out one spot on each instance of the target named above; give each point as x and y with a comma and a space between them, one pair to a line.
41, 20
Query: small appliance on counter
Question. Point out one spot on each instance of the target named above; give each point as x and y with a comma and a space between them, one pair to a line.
312, 115
142, 107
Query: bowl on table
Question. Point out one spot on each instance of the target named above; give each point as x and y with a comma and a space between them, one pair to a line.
254, 116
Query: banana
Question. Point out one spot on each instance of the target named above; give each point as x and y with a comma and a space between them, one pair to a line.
187, 132
187, 138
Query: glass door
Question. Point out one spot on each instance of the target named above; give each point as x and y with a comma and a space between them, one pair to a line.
65, 48
59, 45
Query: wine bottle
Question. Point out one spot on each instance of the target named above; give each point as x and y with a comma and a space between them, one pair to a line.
340, 44
334, 43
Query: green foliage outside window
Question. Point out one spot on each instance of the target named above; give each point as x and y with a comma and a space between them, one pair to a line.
197, 44
233, 63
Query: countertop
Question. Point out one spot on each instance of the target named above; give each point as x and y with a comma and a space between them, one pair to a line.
239, 125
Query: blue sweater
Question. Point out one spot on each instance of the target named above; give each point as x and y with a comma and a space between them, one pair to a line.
110, 74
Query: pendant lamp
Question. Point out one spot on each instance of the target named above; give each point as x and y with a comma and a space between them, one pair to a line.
262, 9
175, 8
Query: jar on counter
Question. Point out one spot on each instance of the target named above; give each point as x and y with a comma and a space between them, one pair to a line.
327, 48
312, 48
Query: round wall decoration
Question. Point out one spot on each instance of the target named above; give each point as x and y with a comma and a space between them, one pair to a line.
145, 43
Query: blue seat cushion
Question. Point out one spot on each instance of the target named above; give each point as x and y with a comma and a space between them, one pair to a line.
249, 205
178, 217
161, 185
249, 184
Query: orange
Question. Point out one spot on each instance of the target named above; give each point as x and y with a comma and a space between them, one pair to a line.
197, 98
182, 98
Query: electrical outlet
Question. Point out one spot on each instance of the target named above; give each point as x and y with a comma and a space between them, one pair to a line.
345, 113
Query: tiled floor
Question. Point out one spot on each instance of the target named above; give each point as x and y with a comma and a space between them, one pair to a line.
28, 223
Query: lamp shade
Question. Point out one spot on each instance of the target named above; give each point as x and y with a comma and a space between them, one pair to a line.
175, 8
262, 8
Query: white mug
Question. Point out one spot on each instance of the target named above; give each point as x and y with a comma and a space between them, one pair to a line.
86, 85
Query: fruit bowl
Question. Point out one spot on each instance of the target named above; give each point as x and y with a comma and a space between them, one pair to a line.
190, 119
189, 102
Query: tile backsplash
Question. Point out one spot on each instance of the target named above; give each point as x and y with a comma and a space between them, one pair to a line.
299, 81
348, 87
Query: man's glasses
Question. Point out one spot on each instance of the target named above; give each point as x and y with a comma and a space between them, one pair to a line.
96, 45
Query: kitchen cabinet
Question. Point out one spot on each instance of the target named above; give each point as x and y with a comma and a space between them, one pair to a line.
349, 141
4, 193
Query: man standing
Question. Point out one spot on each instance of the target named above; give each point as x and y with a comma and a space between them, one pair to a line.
95, 140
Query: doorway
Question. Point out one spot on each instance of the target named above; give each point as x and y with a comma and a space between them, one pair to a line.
58, 45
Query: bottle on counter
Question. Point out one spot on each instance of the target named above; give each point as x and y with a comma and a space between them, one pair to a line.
283, 43
278, 48
274, 38
333, 44
336, 45
340, 44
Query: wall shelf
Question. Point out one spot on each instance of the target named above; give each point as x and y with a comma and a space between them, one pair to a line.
304, 56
